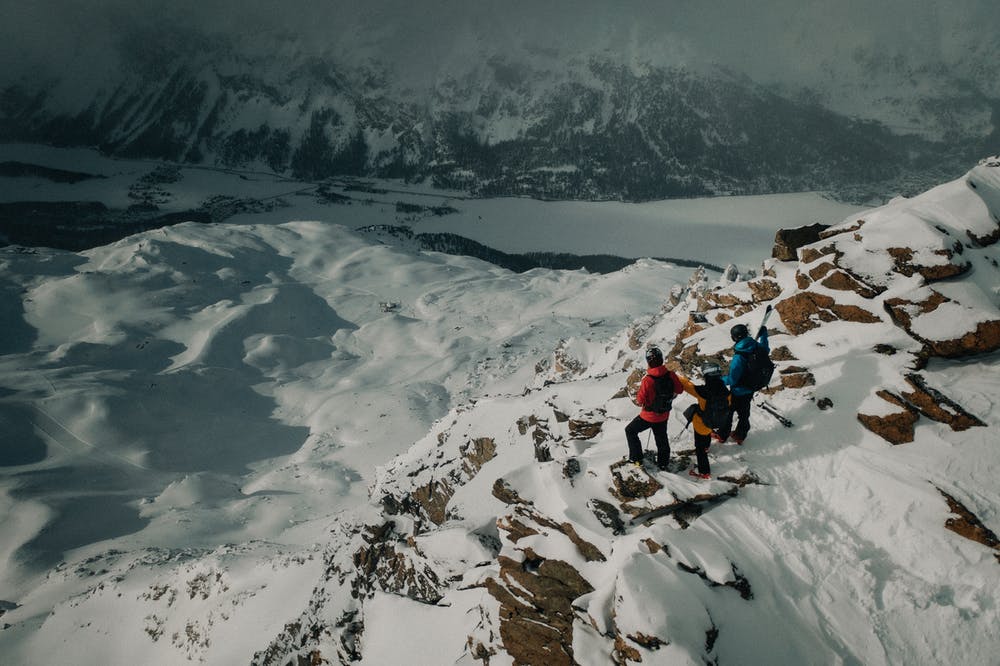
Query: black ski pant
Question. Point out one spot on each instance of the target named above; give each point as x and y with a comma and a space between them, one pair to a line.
640, 424
701, 444
741, 410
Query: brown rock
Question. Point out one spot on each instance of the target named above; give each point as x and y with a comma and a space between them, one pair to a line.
841, 280
787, 241
434, 498
802, 281
692, 327
477, 453
811, 254
633, 381
985, 240
631, 483
896, 428
798, 380
587, 550
721, 299
985, 338
764, 289
536, 611
580, 428
800, 312
818, 272
782, 353
968, 525
936, 406
564, 364
899, 308
836, 232
397, 570
506, 494
515, 529
903, 258
635, 338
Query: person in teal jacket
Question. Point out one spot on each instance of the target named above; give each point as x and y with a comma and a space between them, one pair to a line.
741, 395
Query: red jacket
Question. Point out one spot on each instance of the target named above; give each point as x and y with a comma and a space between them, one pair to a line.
647, 391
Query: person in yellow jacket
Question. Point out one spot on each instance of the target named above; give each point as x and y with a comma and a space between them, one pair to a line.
713, 411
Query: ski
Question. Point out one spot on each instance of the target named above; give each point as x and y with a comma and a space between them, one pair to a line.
699, 504
767, 315
769, 408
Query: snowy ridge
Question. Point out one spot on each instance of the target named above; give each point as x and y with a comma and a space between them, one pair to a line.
835, 543
498, 527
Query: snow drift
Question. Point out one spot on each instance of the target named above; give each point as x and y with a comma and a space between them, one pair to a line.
505, 532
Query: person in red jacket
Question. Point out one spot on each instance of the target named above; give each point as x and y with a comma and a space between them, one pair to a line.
656, 392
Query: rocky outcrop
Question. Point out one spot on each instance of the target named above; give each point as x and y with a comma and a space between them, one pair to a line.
906, 263
565, 365
476, 453
764, 289
525, 521
536, 608
540, 435
841, 280
968, 525
393, 564
980, 337
433, 498
896, 427
807, 310
795, 377
631, 483
586, 426
935, 405
788, 241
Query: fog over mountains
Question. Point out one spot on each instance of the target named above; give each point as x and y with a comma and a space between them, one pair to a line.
565, 100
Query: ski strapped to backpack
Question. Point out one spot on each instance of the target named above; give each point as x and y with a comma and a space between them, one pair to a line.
663, 394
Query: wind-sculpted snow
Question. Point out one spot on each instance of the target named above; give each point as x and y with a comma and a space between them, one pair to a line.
837, 548
485, 419
201, 385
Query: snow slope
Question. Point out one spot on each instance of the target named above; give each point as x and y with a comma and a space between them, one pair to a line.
202, 385
226, 452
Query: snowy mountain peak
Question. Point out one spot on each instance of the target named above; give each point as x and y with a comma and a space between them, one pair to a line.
523, 535
510, 529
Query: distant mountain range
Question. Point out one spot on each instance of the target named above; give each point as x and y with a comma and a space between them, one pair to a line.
592, 129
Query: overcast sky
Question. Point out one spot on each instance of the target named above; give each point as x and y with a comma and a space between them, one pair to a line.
767, 38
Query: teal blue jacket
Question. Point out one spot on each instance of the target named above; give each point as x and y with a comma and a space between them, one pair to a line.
738, 365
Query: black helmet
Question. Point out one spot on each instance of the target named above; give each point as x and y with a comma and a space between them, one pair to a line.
654, 357
739, 332
711, 370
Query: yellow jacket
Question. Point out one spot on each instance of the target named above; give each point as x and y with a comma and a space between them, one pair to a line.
689, 387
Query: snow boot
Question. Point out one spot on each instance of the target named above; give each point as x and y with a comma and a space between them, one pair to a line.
698, 475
